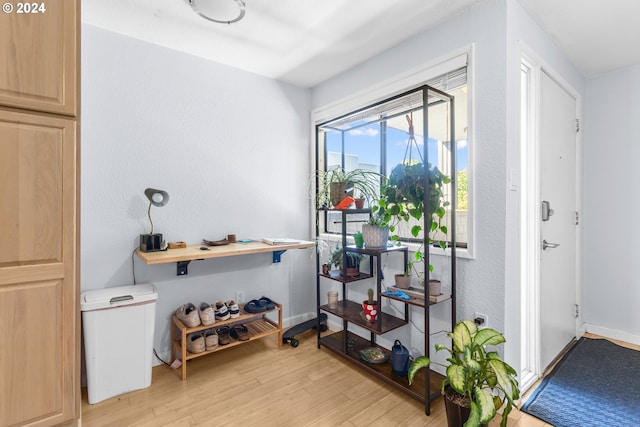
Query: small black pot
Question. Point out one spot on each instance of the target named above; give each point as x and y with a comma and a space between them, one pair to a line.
457, 414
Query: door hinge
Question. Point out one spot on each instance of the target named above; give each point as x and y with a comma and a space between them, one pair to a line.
577, 218
577, 125
577, 311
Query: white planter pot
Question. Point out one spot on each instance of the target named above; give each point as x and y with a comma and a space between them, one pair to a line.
375, 237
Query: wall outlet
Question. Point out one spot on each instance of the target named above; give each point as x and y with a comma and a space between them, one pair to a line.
482, 320
240, 297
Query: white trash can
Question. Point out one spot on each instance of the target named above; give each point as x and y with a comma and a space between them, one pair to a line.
118, 325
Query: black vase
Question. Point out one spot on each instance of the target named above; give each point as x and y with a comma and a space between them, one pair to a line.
457, 415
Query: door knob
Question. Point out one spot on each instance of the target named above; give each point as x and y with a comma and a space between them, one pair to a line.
547, 245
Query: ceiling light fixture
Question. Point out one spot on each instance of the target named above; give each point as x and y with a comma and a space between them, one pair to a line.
219, 11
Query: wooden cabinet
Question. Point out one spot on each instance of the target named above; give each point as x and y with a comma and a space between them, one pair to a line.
38, 270
258, 324
39, 215
39, 65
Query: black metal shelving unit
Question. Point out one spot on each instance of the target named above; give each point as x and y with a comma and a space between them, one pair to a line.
346, 343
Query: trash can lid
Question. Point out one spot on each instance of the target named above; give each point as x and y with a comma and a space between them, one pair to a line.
118, 296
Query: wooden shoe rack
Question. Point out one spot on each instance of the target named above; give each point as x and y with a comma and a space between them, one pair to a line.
259, 325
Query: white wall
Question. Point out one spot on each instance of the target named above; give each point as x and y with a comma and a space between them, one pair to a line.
229, 147
611, 205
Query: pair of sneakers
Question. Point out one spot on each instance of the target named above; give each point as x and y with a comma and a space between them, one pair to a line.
198, 342
192, 316
227, 310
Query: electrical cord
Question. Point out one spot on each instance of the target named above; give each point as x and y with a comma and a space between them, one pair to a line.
133, 265
158, 357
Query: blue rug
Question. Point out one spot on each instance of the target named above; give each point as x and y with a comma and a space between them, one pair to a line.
597, 383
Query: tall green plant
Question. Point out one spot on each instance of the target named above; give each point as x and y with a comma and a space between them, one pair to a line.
475, 373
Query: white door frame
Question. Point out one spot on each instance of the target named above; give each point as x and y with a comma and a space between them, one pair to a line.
531, 68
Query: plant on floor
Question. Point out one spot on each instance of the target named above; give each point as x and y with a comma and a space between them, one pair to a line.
473, 374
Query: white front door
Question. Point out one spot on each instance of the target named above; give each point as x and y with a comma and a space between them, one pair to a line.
558, 219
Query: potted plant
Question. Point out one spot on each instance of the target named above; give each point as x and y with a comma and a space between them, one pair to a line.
352, 267
335, 184
403, 280
473, 377
370, 307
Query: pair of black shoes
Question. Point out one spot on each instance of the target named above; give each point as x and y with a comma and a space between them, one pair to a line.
238, 332
260, 305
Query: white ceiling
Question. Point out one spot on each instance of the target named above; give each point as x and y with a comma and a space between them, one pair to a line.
304, 42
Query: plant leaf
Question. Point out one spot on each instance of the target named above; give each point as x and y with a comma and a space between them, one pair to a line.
474, 416
488, 336
461, 334
419, 363
456, 376
485, 403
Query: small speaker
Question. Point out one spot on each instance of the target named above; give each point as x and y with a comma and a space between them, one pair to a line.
150, 242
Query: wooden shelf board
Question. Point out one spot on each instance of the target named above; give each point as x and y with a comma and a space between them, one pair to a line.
382, 371
193, 252
335, 275
351, 311
257, 329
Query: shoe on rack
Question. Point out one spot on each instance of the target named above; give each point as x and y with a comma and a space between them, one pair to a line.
223, 335
254, 307
266, 303
188, 314
210, 339
234, 309
207, 315
239, 332
195, 342
222, 311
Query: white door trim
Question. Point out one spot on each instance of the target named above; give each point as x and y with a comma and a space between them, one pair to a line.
531, 68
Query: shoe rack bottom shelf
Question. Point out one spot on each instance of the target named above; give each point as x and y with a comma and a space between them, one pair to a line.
258, 326
382, 371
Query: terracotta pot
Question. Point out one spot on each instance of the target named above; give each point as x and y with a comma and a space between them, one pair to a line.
402, 281
359, 203
370, 311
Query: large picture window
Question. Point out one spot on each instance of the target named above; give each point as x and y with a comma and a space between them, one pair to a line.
378, 139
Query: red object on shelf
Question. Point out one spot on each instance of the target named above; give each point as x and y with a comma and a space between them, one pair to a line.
345, 203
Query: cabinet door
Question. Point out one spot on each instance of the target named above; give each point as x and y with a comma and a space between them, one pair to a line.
38, 56
39, 316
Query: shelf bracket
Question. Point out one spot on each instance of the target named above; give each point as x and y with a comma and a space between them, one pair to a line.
277, 255
182, 268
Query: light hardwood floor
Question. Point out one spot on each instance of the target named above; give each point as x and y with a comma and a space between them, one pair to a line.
258, 384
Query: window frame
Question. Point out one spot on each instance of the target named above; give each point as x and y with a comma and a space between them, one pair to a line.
389, 88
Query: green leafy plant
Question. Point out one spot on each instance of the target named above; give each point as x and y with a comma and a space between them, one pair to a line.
476, 374
335, 184
353, 258
403, 199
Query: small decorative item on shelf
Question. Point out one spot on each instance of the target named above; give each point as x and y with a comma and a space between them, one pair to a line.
399, 359
435, 287
332, 299
373, 355
359, 241
325, 269
370, 307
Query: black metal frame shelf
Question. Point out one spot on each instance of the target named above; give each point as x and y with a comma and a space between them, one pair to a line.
347, 343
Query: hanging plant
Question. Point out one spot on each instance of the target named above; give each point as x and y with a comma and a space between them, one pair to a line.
404, 195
